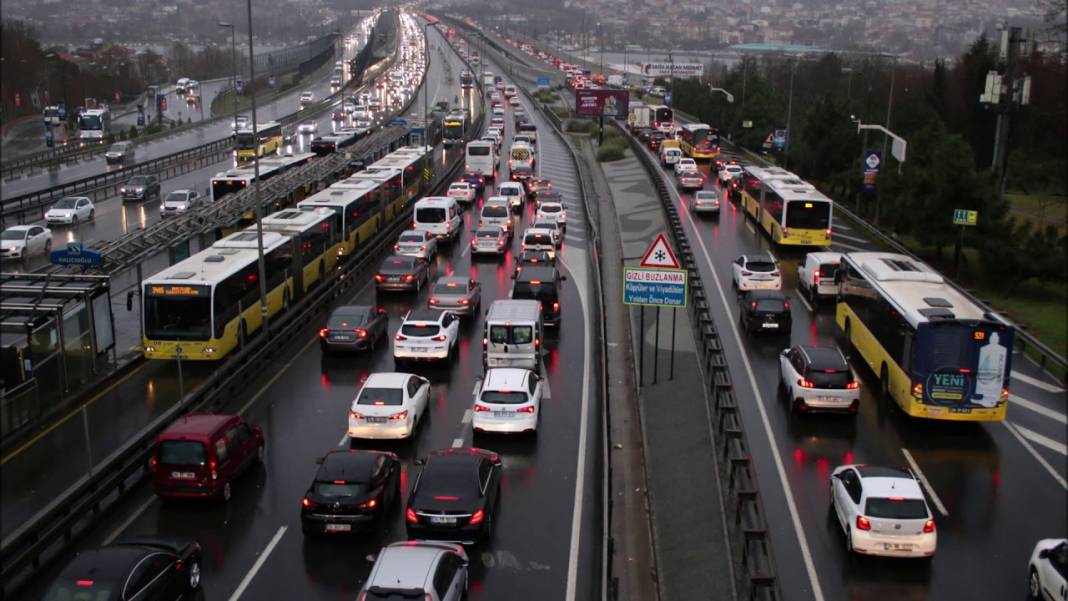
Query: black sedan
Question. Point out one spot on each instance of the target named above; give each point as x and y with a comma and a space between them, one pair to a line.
143, 569
654, 139
354, 327
140, 187
455, 496
351, 491
765, 311
400, 272
477, 181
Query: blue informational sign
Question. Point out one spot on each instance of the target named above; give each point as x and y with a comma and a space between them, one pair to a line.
140, 119
50, 139
543, 82
75, 254
654, 287
667, 99
872, 161
778, 139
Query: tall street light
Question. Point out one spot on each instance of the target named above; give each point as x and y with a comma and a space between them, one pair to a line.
233, 82
789, 115
256, 175
426, 88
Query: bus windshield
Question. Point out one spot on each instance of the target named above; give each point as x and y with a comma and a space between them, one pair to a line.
663, 114
222, 187
246, 140
177, 312
89, 122
808, 215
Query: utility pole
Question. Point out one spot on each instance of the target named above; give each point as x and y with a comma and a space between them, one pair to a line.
256, 182
789, 116
1005, 93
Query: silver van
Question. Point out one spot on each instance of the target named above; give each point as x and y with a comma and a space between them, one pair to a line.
512, 335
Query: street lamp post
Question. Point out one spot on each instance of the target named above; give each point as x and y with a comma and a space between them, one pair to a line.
789, 115
426, 88
256, 175
233, 82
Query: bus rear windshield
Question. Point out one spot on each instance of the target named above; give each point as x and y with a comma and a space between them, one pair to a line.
808, 215
478, 151
178, 317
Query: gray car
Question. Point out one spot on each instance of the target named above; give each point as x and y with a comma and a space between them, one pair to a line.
140, 187
421, 570
120, 153
456, 294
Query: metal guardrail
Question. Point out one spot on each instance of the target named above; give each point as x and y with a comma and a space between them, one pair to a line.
27, 549
748, 530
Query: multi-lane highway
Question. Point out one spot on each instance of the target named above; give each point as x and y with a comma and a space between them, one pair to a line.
544, 545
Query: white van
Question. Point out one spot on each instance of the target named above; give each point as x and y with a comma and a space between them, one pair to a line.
497, 212
439, 215
521, 153
509, 91
481, 158
669, 155
512, 335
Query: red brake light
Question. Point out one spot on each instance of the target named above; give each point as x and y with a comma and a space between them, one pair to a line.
400, 337
307, 502
929, 526
464, 301
355, 415
480, 408
803, 383
746, 273
556, 305
853, 385
528, 409
409, 277
85, 583
371, 504
410, 516
775, 274
323, 332
379, 277
476, 518
362, 333
863, 523
396, 247
441, 338
433, 301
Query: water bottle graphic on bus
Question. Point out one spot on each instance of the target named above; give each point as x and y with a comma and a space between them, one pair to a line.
991, 373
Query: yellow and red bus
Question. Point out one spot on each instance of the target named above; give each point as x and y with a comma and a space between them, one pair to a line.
699, 141
936, 353
792, 211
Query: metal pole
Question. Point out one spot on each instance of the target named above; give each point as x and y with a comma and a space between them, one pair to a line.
256, 181
789, 116
426, 89
886, 138
88, 444
674, 316
656, 345
863, 149
233, 81
641, 345
181, 381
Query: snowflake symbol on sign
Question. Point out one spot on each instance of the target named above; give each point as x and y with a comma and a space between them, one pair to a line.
660, 255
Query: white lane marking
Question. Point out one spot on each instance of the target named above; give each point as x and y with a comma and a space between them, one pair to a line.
1041, 460
923, 480
468, 416
130, 520
259, 564
478, 384
749, 226
290, 363
457, 443
791, 505
1039, 409
546, 390
1036, 382
1039, 439
344, 439
804, 301
837, 235
844, 245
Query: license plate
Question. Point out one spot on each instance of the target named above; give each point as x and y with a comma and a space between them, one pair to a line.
395, 278
503, 414
376, 420
442, 520
421, 349
183, 475
770, 325
339, 527
897, 547
341, 337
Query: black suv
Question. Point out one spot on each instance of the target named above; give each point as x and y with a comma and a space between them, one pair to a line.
540, 283
351, 491
140, 187
765, 311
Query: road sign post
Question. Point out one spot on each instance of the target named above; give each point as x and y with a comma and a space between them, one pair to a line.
964, 218
658, 281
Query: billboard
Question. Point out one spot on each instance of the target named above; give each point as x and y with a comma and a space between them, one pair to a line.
600, 102
673, 69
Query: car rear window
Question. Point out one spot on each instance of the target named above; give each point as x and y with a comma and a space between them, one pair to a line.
535, 239
72, 591
508, 191
419, 329
828, 270
478, 151
762, 266
511, 334
430, 215
771, 305
411, 237
182, 452
544, 292
488, 233
498, 397
495, 211
335, 490
833, 378
381, 396
348, 320
896, 509
548, 208
397, 265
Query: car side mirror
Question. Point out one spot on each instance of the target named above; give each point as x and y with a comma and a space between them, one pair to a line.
420, 462
381, 310
784, 352
837, 476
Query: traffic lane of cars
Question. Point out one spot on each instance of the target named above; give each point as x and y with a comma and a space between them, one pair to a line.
964, 463
303, 413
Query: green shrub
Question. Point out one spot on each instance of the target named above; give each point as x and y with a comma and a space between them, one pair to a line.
610, 151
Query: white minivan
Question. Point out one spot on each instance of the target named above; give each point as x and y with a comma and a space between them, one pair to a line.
481, 158
439, 215
512, 335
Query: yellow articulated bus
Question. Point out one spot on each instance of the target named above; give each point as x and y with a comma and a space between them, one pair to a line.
699, 141
936, 354
358, 204
205, 304
401, 176
792, 211
316, 242
266, 140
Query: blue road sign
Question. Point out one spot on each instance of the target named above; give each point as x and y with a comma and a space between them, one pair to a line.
543, 82
667, 99
75, 254
778, 139
654, 287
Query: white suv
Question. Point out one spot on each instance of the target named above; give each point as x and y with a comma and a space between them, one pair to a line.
426, 335
882, 511
685, 164
554, 211
818, 378
508, 400
756, 272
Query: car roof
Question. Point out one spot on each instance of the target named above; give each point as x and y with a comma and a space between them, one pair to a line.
19, 228
196, 424
877, 471
825, 257
545, 273
386, 379
453, 279
899, 486
752, 258
824, 357
110, 563
348, 465
433, 315
510, 185
764, 294
351, 309
405, 566
504, 378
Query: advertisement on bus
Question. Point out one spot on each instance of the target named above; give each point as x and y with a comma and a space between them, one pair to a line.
597, 103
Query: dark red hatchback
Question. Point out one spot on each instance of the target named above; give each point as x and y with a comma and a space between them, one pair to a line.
201, 454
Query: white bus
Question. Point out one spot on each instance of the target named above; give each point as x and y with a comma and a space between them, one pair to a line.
317, 247
238, 178
94, 125
481, 158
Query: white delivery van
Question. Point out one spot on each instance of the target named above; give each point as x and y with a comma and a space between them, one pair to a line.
481, 158
521, 153
512, 335
439, 215
497, 212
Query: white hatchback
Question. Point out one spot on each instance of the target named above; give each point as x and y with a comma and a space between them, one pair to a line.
426, 335
756, 272
389, 406
685, 164
882, 511
71, 209
508, 400
554, 211
416, 243
515, 192
461, 191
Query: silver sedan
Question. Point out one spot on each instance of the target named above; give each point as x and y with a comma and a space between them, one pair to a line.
456, 294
